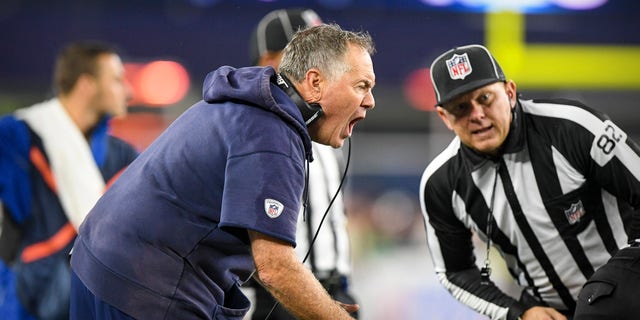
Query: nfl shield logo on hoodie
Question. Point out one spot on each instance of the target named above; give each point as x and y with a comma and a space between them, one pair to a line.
273, 208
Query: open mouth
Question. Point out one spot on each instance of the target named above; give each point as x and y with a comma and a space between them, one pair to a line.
352, 125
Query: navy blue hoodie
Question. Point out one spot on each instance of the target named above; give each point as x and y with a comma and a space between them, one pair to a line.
168, 240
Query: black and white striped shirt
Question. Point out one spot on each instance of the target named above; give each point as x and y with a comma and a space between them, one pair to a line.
562, 195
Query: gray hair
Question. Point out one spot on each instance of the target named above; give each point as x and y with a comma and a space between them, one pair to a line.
322, 47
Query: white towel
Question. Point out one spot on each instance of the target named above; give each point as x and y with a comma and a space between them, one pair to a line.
78, 179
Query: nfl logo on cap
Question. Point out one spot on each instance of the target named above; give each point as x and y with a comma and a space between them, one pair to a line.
463, 69
459, 66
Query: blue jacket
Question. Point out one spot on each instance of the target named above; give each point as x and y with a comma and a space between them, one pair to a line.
30, 200
168, 240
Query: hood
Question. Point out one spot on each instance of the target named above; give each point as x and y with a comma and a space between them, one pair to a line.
254, 86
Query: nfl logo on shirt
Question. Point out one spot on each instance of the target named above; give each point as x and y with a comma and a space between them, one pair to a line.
273, 208
459, 66
575, 212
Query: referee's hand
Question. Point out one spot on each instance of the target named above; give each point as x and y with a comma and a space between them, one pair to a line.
542, 313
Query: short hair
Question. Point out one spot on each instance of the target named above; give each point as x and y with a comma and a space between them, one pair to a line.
77, 59
323, 47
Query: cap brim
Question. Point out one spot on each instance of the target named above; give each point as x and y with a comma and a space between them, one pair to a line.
466, 88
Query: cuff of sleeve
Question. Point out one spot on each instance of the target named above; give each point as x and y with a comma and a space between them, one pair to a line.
516, 311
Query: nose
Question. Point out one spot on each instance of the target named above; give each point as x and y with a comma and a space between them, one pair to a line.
369, 102
477, 111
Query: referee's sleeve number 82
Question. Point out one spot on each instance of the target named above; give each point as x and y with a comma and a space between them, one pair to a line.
606, 142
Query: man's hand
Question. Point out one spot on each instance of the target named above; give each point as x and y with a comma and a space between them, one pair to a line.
542, 313
291, 283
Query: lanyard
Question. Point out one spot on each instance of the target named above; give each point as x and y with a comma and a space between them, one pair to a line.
485, 272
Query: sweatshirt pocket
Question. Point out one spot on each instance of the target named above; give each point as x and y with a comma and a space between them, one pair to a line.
236, 305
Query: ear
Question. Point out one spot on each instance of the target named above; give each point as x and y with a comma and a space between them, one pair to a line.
442, 113
85, 83
511, 92
312, 86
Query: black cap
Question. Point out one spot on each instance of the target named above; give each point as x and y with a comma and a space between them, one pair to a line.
463, 69
276, 29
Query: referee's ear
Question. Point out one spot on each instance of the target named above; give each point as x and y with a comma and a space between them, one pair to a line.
442, 113
511, 89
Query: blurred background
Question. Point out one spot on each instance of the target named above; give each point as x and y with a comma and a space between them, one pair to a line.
587, 50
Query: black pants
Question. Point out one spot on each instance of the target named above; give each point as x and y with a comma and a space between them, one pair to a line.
613, 292
264, 302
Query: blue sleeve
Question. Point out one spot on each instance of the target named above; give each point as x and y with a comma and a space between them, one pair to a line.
262, 192
15, 189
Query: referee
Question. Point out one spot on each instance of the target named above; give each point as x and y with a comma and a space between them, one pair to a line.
329, 257
551, 184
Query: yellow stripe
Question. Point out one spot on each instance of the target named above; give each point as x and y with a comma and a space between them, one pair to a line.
551, 66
